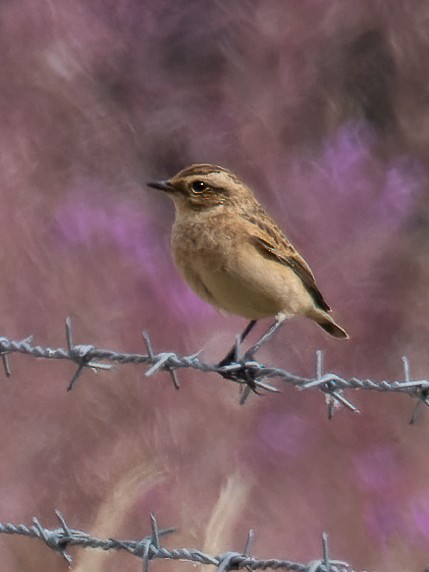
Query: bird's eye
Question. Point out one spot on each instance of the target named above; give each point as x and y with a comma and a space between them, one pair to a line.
199, 186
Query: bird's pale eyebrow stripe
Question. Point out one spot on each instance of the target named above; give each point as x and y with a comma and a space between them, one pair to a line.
203, 173
201, 170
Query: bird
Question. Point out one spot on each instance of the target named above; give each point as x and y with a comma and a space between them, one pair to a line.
234, 256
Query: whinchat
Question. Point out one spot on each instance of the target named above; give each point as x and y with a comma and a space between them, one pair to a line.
234, 256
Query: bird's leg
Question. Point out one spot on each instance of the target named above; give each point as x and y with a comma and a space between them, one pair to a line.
244, 375
266, 337
230, 356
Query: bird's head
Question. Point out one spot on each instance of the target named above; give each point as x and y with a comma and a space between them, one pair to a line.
204, 186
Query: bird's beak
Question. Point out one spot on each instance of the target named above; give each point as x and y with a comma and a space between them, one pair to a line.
161, 186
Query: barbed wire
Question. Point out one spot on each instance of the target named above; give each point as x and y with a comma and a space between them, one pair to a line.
244, 370
149, 548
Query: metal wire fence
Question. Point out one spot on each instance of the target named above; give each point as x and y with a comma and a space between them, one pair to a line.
252, 375
149, 548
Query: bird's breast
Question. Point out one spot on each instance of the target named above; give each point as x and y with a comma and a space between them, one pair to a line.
204, 250
208, 241
223, 267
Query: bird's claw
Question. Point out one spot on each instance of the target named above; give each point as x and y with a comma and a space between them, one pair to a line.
241, 374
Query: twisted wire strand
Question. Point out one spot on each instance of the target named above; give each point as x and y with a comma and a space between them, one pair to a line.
148, 549
246, 371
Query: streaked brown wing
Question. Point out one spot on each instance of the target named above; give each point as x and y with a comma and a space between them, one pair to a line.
271, 242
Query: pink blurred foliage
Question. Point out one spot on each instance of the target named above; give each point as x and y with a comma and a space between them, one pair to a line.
350, 191
284, 434
420, 514
87, 214
91, 217
378, 468
321, 107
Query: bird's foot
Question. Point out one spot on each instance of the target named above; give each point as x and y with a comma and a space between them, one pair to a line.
242, 374
238, 369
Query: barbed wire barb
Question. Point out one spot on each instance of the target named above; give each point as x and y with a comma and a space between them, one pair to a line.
249, 542
148, 344
325, 549
6, 364
326, 564
160, 360
53, 540
326, 382
232, 560
80, 354
331, 403
422, 395
155, 530
70, 347
67, 533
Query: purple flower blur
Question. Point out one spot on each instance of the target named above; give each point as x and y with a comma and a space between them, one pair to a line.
285, 434
377, 468
420, 513
384, 520
87, 214
90, 217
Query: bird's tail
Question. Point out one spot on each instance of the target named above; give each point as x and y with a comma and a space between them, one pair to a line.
329, 325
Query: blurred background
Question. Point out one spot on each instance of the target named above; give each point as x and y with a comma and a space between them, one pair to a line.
323, 107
